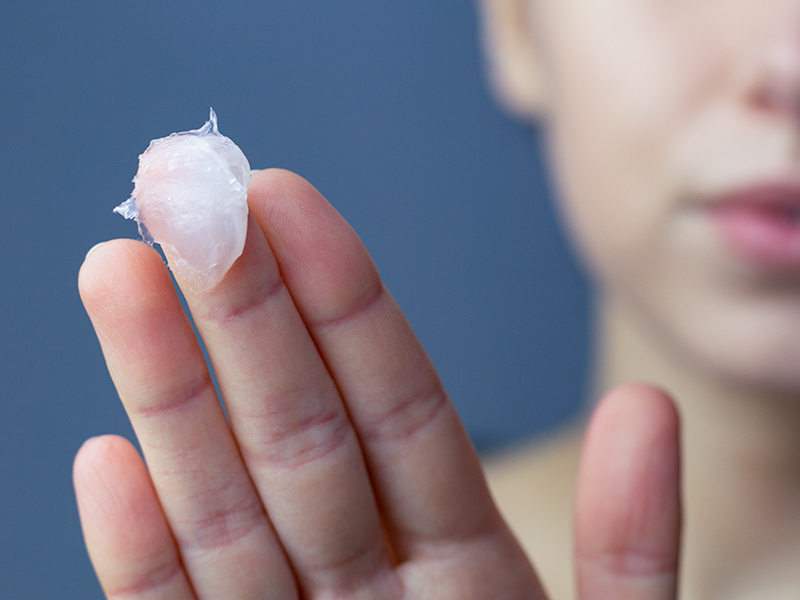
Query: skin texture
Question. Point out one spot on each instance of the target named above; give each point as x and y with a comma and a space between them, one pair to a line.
345, 472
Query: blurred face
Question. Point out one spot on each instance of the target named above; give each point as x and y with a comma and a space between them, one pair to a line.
674, 128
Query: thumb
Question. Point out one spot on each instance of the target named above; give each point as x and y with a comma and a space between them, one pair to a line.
628, 509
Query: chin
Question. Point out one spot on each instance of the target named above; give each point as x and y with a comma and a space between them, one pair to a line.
759, 373
751, 348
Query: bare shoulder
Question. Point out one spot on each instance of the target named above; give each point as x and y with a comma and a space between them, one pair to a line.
534, 487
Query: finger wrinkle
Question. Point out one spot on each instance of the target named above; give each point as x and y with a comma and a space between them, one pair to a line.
222, 528
630, 562
149, 583
296, 445
354, 310
486, 533
407, 417
346, 573
240, 309
177, 402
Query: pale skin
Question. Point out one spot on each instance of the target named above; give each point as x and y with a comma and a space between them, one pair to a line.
652, 108
345, 472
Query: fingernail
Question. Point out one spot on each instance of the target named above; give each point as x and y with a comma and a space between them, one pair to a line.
92, 249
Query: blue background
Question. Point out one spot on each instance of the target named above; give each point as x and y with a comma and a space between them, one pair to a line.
382, 105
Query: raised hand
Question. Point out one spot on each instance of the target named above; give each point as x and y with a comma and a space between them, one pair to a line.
345, 471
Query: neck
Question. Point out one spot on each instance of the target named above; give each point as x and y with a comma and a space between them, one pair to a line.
741, 450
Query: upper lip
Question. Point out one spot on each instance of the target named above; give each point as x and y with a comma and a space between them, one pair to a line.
776, 193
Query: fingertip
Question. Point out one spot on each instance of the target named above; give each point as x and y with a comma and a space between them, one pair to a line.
111, 487
637, 407
266, 185
104, 447
631, 452
125, 286
288, 206
113, 269
126, 533
627, 512
98, 457
321, 257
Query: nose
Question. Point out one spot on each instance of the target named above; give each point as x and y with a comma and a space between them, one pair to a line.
776, 85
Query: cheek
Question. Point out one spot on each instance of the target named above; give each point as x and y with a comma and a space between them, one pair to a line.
624, 87
623, 104
614, 194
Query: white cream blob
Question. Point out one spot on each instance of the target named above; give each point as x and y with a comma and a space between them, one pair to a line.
190, 196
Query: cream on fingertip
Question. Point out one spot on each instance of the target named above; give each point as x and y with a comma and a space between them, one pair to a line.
190, 197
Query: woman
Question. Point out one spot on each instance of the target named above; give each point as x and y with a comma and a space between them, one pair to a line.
345, 471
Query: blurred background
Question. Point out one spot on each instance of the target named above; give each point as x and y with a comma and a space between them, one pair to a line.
381, 105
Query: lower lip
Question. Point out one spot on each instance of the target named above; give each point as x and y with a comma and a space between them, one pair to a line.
760, 234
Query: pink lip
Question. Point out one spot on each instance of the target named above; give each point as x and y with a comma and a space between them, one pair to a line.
762, 224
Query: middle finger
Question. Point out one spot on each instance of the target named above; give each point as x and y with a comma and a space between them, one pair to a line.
291, 425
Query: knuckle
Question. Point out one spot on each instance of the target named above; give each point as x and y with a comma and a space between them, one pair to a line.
631, 562
176, 399
294, 441
251, 300
353, 306
224, 526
